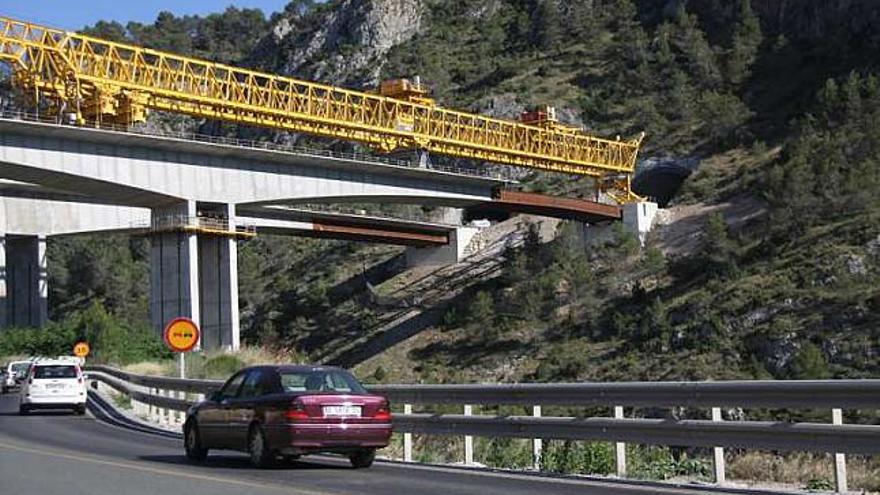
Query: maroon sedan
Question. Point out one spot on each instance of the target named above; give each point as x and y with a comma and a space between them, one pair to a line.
283, 412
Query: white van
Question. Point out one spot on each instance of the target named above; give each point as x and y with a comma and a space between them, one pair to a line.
16, 372
53, 385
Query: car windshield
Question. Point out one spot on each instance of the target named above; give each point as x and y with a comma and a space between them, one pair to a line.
55, 371
320, 381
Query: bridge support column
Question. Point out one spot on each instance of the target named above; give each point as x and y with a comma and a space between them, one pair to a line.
196, 274
218, 290
450, 254
24, 287
174, 275
638, 218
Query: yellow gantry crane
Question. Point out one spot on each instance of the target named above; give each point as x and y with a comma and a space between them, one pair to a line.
99, 81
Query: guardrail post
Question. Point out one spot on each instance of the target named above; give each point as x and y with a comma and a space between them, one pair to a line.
718, 452
163, 413
468, 440
154, 410
840, 485
537, 443
407, 437
619, 448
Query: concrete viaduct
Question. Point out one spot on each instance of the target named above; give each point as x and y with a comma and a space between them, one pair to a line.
59, 180
195, 199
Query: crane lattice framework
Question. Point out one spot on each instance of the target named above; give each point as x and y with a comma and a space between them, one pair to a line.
98, 81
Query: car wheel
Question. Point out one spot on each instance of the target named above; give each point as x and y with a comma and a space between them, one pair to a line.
193, 444
80, 410
23, 410
362, 458
261, 456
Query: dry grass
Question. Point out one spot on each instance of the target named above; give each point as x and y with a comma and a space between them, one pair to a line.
153, 368
196, 361
753, 468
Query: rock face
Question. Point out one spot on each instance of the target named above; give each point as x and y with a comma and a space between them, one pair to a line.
345, 43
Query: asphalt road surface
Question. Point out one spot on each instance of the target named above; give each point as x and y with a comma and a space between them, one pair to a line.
62, 454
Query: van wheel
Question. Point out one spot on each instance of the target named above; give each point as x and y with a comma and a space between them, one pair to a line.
261, 456
363, 458
192, 442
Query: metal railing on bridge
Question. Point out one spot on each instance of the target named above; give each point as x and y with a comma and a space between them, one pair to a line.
834, 395
200, 224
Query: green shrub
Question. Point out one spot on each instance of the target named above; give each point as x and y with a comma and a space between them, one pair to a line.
112, 340
568, 457
505, 453
659, 463
819, 485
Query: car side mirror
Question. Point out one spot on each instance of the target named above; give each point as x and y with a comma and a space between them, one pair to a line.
215, 396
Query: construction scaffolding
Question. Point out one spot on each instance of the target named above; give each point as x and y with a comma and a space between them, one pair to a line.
88, 80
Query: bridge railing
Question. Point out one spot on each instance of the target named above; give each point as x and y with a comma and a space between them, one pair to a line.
834, 395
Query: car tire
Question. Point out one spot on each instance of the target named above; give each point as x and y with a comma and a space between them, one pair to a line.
192, 443
23, 410
79, 410
261, 455
362, 459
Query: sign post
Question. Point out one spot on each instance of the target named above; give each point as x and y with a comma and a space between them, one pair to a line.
181, 335
81, 350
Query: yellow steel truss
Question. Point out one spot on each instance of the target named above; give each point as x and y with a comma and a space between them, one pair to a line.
102, 81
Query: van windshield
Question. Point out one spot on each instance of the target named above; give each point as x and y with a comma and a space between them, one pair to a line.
55, 371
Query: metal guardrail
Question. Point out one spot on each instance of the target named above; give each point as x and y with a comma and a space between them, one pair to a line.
796, 394
816, 437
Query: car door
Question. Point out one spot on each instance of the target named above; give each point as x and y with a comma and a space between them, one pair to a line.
242, 408
213, 414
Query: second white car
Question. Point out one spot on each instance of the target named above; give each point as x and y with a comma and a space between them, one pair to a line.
53, 385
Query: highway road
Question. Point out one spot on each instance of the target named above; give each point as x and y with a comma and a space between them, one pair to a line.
63, 454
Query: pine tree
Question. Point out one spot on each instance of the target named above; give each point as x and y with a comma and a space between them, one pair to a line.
747, 38
719, 250
546, 25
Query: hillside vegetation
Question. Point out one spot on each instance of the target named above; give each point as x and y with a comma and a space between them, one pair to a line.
780, 118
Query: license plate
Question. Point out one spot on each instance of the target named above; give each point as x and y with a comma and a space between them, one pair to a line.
55, 385
342, 411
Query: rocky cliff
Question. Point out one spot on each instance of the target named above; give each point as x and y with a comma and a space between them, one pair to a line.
344, 42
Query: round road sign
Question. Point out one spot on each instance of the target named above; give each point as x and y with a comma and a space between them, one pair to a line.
181, 335
81, 349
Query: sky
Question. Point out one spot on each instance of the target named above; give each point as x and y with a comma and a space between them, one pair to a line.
75, 14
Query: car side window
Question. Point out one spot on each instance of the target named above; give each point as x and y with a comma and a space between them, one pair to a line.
231, 388
251, 387
269, 383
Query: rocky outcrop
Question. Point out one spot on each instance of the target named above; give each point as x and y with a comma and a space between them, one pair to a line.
345, 43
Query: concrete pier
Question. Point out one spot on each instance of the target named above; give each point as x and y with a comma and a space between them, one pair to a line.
174, 276
24, 287
195, 274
